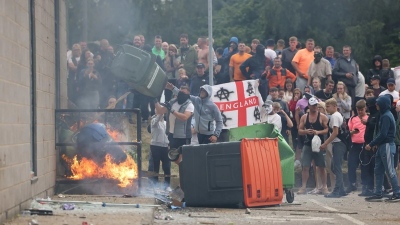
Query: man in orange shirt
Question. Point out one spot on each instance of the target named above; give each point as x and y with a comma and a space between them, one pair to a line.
301, 62
277, 75
234, 64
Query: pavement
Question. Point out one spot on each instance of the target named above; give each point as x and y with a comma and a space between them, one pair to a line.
306, 209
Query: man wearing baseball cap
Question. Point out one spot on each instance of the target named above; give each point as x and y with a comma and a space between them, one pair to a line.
375, 85
391, 86
199, 79
313, 123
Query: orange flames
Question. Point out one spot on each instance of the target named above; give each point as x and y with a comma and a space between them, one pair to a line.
124, 172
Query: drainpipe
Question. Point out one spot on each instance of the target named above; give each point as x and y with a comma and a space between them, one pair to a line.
57, 50
32, 61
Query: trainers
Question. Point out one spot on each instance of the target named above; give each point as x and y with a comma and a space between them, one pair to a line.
366, 193
374, 197
297, 165
324, 191
351, 188
315, 191
302, 191
333, 195
394, 197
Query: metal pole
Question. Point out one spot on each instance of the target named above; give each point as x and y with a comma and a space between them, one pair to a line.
210, 45
85, 21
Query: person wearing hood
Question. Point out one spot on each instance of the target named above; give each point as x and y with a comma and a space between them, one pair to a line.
254, 67
206, 114
345, 70
233, 47
367, 157
375, 70
386, 149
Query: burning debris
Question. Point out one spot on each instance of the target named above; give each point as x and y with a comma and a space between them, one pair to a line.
94, 142
125, 172
95, 153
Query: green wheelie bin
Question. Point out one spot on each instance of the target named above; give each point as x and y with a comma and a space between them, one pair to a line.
286, 153
140, 70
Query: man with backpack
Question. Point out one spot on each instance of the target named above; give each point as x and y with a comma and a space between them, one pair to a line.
384, 157
337, 126
277, 75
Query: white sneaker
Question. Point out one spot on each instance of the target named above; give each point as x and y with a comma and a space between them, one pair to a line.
297, 165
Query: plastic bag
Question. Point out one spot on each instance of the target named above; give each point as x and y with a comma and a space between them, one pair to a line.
315, 143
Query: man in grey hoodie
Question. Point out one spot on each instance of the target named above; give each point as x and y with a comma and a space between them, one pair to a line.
205, 113
384, 156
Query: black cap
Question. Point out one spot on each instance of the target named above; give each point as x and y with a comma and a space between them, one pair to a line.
376, 77
200, 65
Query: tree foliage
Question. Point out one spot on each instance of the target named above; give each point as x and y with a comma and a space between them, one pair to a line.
370, 27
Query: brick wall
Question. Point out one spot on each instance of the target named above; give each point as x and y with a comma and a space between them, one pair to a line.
17, 189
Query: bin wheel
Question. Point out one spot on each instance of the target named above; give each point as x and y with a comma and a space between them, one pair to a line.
289, 195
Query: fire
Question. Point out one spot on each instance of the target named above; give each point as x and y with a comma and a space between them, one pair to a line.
115, 135
124, 172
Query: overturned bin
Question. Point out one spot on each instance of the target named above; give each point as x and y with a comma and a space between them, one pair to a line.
232, 174
140, 70
286, 153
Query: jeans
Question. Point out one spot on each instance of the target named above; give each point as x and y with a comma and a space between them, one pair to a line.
367, 162
353, 162
338, 150
160, 154
384, 161
204, 138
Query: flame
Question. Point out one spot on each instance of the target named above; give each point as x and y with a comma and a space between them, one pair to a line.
124, 172
115, 135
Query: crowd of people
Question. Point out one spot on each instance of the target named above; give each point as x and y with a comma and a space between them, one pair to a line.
305, 94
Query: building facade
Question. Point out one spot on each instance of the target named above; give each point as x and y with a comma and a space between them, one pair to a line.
32, 85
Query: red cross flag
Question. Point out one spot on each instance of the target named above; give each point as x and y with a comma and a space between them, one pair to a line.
240, 103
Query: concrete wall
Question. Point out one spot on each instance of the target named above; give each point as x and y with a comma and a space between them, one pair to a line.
17, 188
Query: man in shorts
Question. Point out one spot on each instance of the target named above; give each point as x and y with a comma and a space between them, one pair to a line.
313, 123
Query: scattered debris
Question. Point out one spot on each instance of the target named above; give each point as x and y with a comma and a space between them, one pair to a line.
41, 212
61, 196
297, 214
202, 216
33, 222
305, 210
68, 206
248, 211
169, 218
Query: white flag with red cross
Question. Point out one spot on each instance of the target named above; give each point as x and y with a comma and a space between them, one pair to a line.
240, 103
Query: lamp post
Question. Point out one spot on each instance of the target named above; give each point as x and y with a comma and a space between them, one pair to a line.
210, 45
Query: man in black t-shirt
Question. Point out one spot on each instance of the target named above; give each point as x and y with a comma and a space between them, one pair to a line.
326, 93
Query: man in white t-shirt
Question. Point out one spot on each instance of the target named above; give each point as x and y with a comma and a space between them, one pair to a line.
391, 85
269, 50
338, 147
269, 115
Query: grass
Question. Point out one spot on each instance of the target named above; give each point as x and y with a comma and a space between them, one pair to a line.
146, 138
